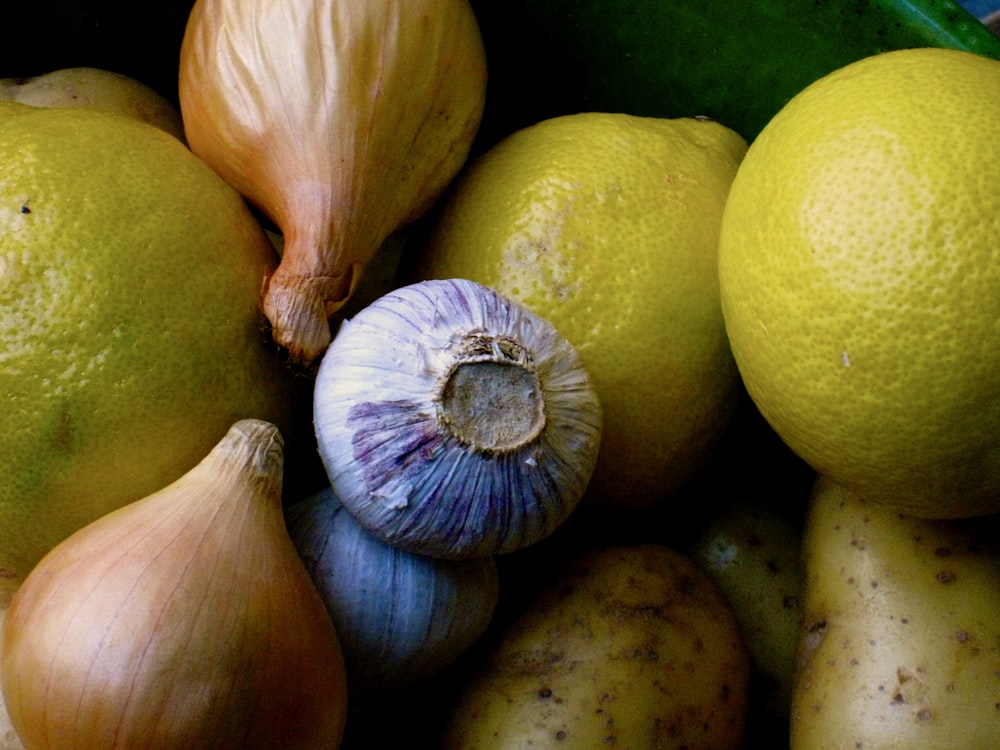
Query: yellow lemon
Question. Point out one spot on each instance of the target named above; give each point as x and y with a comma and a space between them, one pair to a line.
860, 278
95, 88
607, 225
130, 329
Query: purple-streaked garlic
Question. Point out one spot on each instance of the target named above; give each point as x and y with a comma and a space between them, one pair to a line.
454, 422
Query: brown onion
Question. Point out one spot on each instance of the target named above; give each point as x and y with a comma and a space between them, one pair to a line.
342, 120
184, 620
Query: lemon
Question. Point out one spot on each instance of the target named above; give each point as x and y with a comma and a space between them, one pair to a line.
607, 225
95, 88
860, 278
130, 333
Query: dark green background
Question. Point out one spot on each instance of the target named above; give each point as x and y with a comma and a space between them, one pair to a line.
736, 62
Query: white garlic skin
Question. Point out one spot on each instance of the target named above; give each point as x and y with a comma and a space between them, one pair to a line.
400, 617
383, 434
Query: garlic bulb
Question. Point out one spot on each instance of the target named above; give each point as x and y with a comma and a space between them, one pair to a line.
454, 422
401, 617
342, 120
183, 620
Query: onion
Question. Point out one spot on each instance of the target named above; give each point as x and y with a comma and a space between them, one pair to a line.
184, 620
341, 120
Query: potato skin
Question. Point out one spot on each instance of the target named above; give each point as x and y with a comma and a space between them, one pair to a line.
900, 644
629, 647
752, 551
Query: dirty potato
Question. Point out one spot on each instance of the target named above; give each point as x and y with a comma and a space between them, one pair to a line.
753, 552
900, 642
629, 647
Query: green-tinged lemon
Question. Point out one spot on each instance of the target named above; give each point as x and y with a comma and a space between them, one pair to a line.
130, 329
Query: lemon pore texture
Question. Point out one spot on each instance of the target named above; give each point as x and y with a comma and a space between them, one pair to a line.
860, 278
607, 225
130, 334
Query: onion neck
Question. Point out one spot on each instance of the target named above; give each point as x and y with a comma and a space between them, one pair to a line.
252, 451
298, 305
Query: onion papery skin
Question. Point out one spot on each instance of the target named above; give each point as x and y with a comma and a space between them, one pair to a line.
341, 120
396, 466
401, 617
184, 620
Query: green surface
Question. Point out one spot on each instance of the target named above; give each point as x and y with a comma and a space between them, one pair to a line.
735, 62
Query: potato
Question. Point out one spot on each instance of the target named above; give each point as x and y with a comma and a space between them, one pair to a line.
629, 647
753, 552
900, 646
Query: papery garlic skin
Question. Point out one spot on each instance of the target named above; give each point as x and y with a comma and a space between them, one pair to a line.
183, 620
400, 617
342, 120
419, 477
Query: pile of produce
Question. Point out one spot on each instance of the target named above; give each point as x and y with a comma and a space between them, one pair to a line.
355, 394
